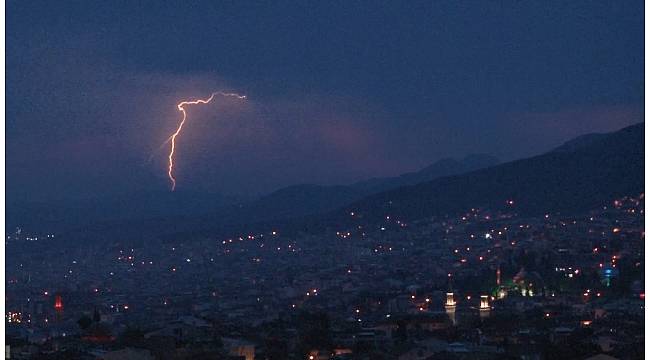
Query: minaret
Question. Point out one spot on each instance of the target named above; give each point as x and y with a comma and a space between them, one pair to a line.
484, 308
58, 303
450, 305
485, 305
501, 293
58, 306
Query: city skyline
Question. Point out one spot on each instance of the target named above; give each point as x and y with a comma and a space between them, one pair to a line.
336, 180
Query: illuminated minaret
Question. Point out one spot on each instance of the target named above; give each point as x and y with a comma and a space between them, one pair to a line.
450, 307
58, 306
450, 303
484, 307
58, 303
501, 292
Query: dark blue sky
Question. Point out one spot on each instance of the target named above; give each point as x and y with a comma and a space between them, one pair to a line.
338, 91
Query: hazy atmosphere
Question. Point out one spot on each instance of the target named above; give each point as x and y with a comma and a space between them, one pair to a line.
325, 180
336, 92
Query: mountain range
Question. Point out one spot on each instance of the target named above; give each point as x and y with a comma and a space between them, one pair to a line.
183, 207
581, 174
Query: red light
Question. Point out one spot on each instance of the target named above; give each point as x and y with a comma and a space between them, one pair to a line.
58, 303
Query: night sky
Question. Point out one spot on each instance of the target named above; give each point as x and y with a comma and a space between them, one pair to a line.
337, 91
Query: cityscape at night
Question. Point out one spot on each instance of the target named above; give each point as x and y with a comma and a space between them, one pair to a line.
324, 180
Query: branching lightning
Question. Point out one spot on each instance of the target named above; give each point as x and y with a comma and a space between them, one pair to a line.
172, 138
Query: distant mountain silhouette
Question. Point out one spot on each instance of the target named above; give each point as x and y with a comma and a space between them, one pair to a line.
580, 142
309, 199
188, 209
584, 173
443, 167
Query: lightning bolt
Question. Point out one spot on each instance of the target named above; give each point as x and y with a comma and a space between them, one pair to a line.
172, 138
